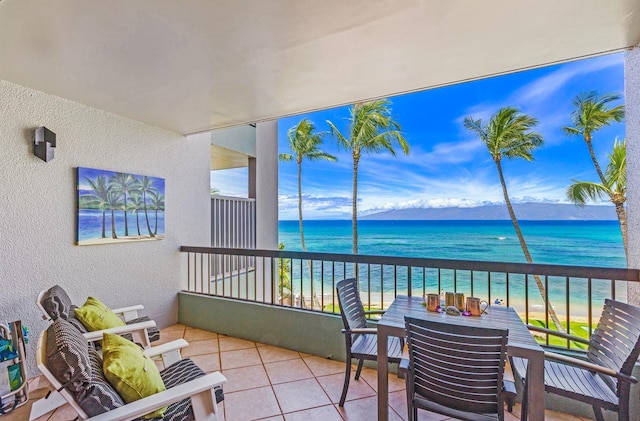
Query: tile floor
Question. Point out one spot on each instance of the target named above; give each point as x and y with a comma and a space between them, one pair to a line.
270, 383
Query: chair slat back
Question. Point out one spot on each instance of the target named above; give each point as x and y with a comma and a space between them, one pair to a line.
351, 308
41, 362
457, 366
615, 343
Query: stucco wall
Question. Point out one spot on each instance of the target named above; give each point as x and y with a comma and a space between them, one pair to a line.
632, 125
37, 231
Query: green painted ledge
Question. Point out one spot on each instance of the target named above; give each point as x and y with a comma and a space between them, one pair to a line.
312, 333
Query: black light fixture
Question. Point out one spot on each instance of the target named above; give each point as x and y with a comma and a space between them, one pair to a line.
44, 142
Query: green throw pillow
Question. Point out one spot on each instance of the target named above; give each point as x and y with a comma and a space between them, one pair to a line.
94, 315
131, 373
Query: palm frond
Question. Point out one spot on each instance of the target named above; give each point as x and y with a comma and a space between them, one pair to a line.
580, 192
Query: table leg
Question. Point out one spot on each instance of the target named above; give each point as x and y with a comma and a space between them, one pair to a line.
383, 377
535, 380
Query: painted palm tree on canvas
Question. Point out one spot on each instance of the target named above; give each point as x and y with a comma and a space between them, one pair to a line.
109, 204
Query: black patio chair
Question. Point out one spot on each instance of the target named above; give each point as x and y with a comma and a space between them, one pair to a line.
603, 379
361, 342
454, 370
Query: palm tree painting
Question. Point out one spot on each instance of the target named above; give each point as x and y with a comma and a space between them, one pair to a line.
107, 200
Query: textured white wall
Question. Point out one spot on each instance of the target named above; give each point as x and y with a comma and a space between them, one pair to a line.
632, 125
37, 199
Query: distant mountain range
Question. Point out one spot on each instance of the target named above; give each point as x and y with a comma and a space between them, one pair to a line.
524, 212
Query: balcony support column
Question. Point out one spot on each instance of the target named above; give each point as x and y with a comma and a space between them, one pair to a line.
632, 120
266, 194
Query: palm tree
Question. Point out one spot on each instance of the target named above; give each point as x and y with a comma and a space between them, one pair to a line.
371, 130
146, 186
124, 184
304, 143
135, 204
99, 197
614, 187
509, 134
156, 201
114, 201
592, 113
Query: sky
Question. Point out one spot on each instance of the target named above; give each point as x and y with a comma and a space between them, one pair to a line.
448, 165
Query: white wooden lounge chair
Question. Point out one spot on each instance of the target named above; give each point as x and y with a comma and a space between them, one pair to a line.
190, 393
55, 302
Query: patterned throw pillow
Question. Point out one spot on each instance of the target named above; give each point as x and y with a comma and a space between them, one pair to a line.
130, 371
99, 396
94, 315
56, 302
68, 355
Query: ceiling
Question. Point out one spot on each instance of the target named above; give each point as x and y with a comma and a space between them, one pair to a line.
195, 65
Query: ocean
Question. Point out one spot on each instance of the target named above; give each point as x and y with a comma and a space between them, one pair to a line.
577, 243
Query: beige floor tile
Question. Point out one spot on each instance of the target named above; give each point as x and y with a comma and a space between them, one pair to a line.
198, 335
323, 366
208, 362
208, 346
228, 343
168, 336
245, 378
251, 404
177, 326
240, 358
364, 409
323, 413
278, 418
300, 395
371, 377
287, 371
333, 384
270, 354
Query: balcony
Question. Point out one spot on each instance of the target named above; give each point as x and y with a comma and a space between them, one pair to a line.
273, 383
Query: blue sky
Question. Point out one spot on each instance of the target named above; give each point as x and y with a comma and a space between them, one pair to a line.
447, 165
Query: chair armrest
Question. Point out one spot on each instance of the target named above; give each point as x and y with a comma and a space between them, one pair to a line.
365, 330
128, 313
559, 334
167, 347
375, 312
96, 335
589, 366
169, 352
404, 365
144, 406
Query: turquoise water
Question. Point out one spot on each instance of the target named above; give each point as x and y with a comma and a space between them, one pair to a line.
578, 243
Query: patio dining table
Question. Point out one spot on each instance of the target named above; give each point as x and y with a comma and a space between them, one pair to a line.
520, 343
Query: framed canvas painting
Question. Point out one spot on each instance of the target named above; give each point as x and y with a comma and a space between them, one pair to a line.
116, 207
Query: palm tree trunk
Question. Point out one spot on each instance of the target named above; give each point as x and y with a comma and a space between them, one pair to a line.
304, 248
155, 226
113, 224
622, 218
104, 222
146, 213
138, 222
354, 204
525, 249
587, 140
126, 223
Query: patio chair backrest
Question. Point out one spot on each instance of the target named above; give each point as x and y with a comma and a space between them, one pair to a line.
41, 362
351, 308
615, 343
455, 366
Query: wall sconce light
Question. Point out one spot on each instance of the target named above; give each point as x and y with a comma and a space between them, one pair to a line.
45, 141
